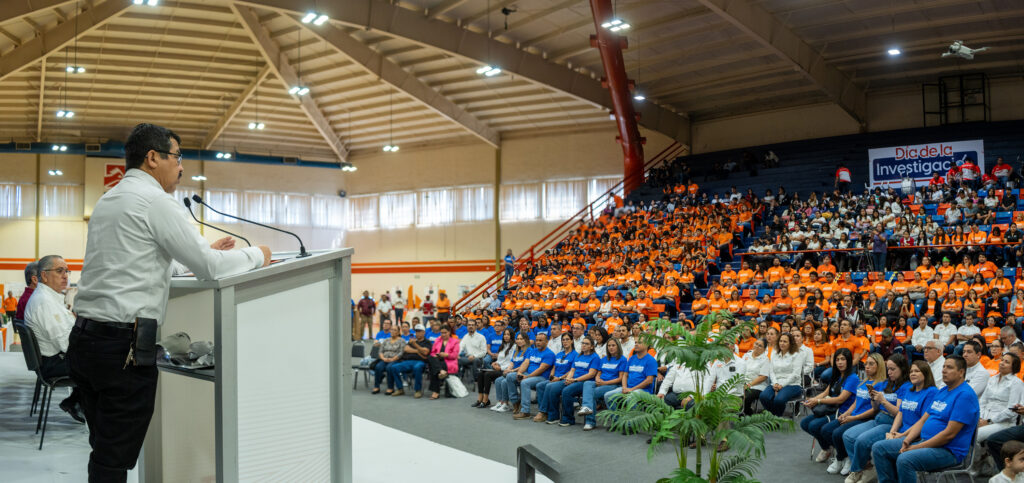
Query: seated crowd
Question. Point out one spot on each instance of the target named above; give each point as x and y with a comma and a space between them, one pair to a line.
899, 363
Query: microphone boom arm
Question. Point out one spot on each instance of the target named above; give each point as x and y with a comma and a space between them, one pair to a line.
302, 247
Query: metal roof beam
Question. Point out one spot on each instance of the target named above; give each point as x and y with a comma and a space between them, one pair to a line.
235, 108
414, 27
279, 64
762, 26
60, 36
390, 73
23, 8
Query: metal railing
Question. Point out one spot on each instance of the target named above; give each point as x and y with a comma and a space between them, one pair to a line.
530, 460
552, 238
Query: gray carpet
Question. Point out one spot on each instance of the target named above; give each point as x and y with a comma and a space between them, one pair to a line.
586, 456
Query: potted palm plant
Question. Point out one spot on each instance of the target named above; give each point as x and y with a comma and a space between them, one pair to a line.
713, 417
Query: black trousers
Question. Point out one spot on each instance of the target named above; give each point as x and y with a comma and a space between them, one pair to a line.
996, 441
750, 396
117, 401
57, 366
434, 368
485, 379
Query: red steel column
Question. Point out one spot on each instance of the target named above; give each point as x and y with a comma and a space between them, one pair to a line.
610, 45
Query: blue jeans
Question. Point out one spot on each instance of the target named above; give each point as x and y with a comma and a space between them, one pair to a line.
548, 398
812, 425
525, 388
501, 389
593, 393
775, 402
511, 386
903, 467
569, 394
379, 371
826, 376
838, 433
396, 370
859, 440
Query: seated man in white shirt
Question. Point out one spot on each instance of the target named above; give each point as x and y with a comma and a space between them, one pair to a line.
933, 356
51, 322
473, 348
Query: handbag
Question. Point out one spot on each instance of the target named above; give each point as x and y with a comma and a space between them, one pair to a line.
456, 387
822, 410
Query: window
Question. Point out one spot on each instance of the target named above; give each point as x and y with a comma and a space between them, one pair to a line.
259, 206
362, 213
599, 186
520, 202
62, 201
17, 200
563, 199
397, 209
474, 203
293, 209
328, 211
225, 201
435, 207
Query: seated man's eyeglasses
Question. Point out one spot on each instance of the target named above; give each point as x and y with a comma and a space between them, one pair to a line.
60, 271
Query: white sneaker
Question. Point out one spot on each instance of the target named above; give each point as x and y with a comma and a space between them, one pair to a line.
588, 427
584, 411
835, 466
505, 409
868, 476
854, 477
846, 467
497, 407
823, 456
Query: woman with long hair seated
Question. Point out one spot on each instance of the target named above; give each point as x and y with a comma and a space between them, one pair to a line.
835, 398
498, 368
858, 440
613, 371
508, 381
913, 405
556, 381
756, 367
786, 373
862, 411
443, 360
584, 368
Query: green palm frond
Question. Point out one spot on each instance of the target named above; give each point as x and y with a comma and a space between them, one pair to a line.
636, 412
737, 468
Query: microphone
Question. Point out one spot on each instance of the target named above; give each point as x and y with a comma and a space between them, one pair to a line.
302, 248
188, 204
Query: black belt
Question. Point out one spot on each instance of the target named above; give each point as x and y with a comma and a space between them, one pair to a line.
108, 329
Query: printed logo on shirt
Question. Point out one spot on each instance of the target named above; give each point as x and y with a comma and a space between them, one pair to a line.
863, 393
939, 406
639, 368
609, 365
536, 358
908, 405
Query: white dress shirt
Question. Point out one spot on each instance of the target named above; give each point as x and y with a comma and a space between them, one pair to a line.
1001, 393
50, 320
725, 370
945, 331
680, 379
135, 231
474, 344
808, 362
977, 377
923, 333
936, 368
756, 366
786, 369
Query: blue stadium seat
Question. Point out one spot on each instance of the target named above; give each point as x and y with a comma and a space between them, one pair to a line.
1010, 272
938, 219
1020, 204
765, 291
1003, 217
982, 193
985, 228
1015, 192
931, 209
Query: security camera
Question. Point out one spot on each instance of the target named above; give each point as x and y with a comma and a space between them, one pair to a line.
958, 49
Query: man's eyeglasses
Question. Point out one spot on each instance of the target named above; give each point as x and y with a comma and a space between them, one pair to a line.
60, 271
176, 155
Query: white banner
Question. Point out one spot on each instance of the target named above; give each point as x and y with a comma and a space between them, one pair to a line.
888, 166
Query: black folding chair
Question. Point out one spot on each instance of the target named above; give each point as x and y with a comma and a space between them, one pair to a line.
359, 352
31, 364
31, 347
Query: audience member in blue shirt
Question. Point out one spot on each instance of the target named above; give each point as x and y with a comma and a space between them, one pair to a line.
406, 334
862, 411
886, 397
434, 331
941, 438
536, 368
554, 384
384, 333
507, 386
585, 367
543, 327
460, 326
840, 392
613, 371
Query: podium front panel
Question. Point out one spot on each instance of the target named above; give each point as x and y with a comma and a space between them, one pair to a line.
283, 385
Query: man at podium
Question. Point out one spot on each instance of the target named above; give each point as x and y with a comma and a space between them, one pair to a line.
136, 230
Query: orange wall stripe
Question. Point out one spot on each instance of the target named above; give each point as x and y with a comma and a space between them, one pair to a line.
423, 269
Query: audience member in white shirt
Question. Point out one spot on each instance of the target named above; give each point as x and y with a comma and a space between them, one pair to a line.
51, 323
933, 356
977, 376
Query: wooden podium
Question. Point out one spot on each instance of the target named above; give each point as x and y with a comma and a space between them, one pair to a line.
277, 407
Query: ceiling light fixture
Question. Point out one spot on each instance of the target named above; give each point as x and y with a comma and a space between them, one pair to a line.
489, 70
639, 97
151, 3
616, 25
894, 52
348, 167
391, 147
256, 124
59, 147
199, 177
299, 89
223, 155
315, 18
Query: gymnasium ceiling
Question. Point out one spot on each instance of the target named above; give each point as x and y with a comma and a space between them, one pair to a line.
403, 72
